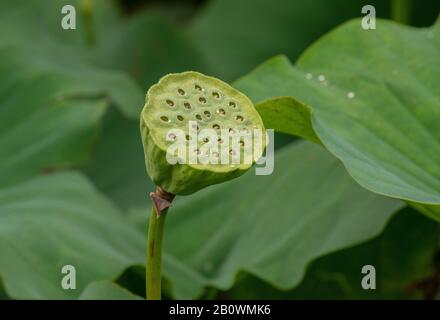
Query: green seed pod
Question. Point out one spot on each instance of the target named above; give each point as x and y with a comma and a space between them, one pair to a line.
179, 110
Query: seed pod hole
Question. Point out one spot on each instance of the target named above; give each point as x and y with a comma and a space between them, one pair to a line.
232, 131
202, 100
232, 104
170, 103
164, 119
198, 117
180, 118
216, 95
216, 126
242, 143
205, 140
197, 87
172, 136
181, 91
219, 140
207, 114
221, 111
232, 152
187, 105
239, 118
188, 137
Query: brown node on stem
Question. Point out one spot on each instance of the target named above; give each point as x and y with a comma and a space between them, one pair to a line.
161, 200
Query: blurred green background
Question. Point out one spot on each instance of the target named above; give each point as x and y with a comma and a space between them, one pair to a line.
73, 186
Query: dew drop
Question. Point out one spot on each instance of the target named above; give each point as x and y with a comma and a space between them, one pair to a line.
321, 78
309, 76
351, 95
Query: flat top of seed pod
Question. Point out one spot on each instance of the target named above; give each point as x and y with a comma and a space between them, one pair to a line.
191, 100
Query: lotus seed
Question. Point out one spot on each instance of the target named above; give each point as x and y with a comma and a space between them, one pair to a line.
221, 111
239, 118
165, 119
180, 118
198, 117
216, 95
187, 105
181, 92
170, 103
232, 104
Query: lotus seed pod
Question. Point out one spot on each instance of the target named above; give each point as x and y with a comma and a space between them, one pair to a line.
189, 116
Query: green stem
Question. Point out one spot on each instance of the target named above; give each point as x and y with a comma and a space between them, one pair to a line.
87, 10
154, 254
401, 11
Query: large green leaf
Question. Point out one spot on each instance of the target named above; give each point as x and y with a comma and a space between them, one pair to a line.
58, 220
40, 130
120, 147
236, 35
38, 48
106, 290
52, 97
270, 226
375, 104
403, 257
